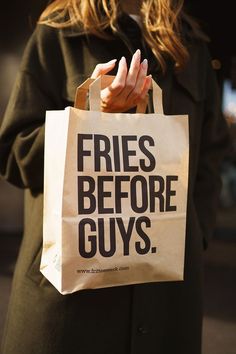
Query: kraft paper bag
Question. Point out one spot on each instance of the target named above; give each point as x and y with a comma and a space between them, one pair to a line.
115, 195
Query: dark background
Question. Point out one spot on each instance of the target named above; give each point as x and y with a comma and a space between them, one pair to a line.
217, 18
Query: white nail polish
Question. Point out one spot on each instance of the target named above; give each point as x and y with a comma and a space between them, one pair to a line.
144, 63
112, 61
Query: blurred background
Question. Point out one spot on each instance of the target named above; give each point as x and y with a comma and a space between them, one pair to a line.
17, 21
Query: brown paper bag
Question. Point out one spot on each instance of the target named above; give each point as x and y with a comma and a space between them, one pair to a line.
115, 195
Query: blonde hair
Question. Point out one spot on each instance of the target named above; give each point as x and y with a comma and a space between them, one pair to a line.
160, 22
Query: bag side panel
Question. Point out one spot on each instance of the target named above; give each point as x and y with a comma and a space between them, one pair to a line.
54, 162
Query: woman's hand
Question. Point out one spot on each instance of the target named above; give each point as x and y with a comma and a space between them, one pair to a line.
128, 88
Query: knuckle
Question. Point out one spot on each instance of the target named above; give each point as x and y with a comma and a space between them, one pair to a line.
130, 85
98, 66
118, 86
107, 94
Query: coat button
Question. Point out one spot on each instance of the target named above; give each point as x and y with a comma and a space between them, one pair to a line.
142, 330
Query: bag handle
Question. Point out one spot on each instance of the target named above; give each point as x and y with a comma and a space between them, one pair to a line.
94, 94
94, 86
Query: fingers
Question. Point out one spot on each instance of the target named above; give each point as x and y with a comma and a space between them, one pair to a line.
140, 81
103, 68
118, 83
125, 81
144, 93
132, 74
146, 86
129, 87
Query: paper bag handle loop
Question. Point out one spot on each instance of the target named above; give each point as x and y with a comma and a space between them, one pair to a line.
94, 94
94, 86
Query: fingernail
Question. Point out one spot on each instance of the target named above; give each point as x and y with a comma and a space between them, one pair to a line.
137, 53
144, 63
122, 60
112, 61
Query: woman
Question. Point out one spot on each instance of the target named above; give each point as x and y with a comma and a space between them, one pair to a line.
73, 38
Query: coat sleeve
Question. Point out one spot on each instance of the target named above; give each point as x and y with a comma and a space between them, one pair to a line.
215, 143
36, 90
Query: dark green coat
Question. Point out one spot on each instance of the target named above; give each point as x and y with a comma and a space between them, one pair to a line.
157, 318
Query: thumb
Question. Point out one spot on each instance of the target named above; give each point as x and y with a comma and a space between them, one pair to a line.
103, 68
